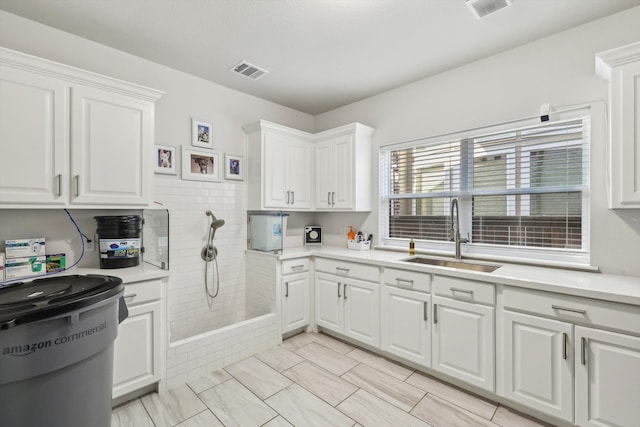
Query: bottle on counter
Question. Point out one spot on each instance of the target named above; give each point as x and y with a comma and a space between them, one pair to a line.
351, 235
412, 247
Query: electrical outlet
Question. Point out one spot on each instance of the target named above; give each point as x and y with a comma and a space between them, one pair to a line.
90, 246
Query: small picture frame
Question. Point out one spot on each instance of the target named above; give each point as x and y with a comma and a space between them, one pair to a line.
234, 167
200, 165
165, 162
201, 134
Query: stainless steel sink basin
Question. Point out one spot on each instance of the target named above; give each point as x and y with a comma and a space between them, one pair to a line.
465, 265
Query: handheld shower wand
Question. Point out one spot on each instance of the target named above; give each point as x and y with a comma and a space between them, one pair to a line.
210, 253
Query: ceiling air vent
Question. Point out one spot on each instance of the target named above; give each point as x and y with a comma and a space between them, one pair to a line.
482, 8
248, 70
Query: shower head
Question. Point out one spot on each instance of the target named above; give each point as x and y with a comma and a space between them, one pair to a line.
217, 223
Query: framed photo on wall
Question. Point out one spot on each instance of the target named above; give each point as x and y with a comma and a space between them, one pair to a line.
201, 134
233, 167
200, 165
165, 160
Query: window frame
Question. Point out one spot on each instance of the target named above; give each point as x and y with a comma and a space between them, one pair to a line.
548, 256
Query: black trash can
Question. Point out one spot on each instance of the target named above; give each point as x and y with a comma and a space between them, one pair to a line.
120, 240
56, 350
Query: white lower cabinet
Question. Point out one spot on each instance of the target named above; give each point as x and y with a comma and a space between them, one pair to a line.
406, 324
463, 341
607, 378
137, 349
295, 301
538, 363
348, 306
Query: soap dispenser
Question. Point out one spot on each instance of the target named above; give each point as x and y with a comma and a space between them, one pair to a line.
351, 235
412, 247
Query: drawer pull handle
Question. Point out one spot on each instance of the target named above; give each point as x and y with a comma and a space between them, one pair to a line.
59, 183
435, 313
333, 198
400, 281
295, 267
77, 180
286, 289
464, 291
424, 307
572, 310
132, 296
339, 296
344, 270
288, 197
293, 197
583, 350
565, 350
329, 198
344, 291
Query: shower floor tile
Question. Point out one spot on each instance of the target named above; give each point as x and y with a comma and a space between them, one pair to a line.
314, 379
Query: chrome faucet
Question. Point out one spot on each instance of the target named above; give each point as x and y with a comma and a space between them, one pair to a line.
455, 229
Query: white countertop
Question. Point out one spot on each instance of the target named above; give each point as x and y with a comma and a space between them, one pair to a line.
128, 275
609, 287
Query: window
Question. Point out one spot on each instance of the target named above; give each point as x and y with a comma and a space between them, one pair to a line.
522, 188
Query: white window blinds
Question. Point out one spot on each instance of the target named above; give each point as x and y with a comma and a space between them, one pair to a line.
521, 187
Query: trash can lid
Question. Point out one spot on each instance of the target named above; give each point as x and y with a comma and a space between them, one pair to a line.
27, 302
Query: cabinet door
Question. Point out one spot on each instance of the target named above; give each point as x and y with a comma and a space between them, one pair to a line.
295, 301
463, 341
136, 361
324, 174
111, 142
33, 138
275, 170
625, 126
362, 311
607, 378
329, 302
538, 369
406, 324
343, 166
300, 167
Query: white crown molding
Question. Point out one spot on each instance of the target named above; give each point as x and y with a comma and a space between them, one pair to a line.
616, 57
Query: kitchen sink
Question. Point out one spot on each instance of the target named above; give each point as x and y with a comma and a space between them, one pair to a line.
465, 265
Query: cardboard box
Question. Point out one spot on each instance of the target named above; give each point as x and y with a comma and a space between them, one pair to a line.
55, 263
21, 248
16, 268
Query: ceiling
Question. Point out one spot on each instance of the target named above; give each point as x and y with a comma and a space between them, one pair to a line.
321, 54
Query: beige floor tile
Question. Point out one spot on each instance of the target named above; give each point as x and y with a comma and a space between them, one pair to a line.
131, 414
235, 405
301, 408
296, 341
440, 413
326, 358
203, 419
210, 380
328, 341
279, 358
506, 417
258, 377
370, 410
278, 422
451, 394
173, 406
398, 393
380, 363
327, 386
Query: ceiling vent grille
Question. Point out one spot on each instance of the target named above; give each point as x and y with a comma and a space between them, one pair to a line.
482, 8
250, 71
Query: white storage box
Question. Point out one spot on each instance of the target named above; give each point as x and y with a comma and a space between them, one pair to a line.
359, 246
16, 268
24, 247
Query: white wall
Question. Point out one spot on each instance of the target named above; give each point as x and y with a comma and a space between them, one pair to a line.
186, 97
558, 70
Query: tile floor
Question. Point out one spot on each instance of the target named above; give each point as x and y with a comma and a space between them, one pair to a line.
315, 380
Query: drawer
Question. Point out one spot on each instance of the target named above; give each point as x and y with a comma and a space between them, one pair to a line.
407, 279
579, 310
139, 292
465, 290
348, 269
297, 265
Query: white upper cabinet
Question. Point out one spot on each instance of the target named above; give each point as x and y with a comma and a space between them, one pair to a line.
280, 169
621, 66
294, 170
343, 168
72, 138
